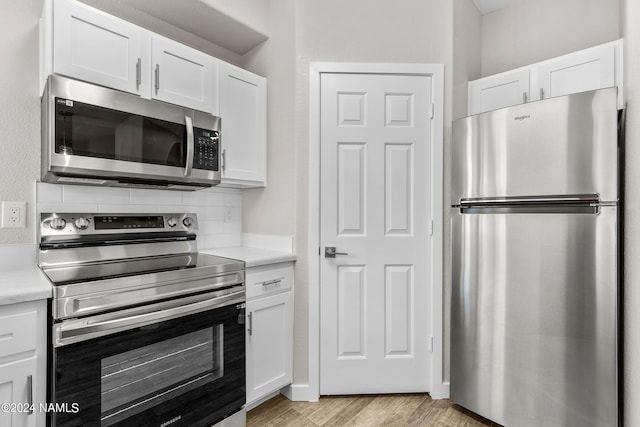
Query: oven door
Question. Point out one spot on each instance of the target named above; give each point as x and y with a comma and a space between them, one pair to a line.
181, 365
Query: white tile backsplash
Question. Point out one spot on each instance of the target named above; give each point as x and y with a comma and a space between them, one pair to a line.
155, 197
82, 194
215, 228
49, 193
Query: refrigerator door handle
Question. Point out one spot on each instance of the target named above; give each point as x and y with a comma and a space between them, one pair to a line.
577, 199
573, 204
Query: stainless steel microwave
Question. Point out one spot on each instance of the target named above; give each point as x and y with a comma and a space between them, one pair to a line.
97, 136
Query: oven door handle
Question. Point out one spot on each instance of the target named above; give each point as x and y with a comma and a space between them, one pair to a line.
77, 330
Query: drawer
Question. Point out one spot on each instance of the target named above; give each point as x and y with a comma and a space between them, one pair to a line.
18, 333
269, 279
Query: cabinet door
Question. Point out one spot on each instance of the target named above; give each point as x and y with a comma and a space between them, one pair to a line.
243, 108
269, 344
17, 386
183, 76
581, 71
98, 48
499, 91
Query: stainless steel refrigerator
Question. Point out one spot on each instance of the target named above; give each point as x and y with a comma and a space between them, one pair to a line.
536, 262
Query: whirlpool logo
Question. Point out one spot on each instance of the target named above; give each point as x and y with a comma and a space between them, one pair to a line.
521, 118
171, 421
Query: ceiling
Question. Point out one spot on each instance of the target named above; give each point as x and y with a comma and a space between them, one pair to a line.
488, 6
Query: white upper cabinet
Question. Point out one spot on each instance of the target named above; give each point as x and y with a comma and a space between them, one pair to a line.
585, 70
243, 108
96, 47
499, 91
87, 44
183, 76
589, 69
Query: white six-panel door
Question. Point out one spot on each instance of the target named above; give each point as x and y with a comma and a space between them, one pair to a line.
375, 181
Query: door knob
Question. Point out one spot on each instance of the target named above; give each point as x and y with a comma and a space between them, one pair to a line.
330, 252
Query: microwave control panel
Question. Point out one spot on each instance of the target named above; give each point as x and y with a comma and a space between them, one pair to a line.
207, 148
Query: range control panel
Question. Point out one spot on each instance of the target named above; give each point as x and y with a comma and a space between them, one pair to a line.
57, 224
207, 149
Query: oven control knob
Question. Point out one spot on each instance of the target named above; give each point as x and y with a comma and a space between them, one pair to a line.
57, 223
172, 221
81, 223
187, 221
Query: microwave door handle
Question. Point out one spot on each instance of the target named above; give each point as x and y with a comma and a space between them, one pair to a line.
190, 146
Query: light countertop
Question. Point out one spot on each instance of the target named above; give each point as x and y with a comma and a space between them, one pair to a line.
252, 257
20, 278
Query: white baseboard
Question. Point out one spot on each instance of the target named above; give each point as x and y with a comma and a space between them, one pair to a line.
300, 393
440, 392
303, 393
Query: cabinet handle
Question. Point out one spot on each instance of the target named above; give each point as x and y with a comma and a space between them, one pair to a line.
30, 393
541, 93
138, 73
524, 97
157, 75
250, 324
273, 282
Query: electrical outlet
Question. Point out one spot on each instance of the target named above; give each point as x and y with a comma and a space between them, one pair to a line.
228, 214
14, 214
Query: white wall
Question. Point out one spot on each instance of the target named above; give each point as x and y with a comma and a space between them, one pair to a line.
467, 50
533, 30
19, 111
271, 210
631, 32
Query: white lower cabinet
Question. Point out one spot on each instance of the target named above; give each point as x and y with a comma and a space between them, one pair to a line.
23, 364
269, 329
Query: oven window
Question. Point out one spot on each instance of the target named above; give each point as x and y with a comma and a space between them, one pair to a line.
134, 381
86, 130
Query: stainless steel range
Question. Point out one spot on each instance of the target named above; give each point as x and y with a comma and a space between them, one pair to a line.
145, 331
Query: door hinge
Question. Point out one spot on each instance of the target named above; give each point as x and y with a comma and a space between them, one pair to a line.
433, 109
431, 228
431, 345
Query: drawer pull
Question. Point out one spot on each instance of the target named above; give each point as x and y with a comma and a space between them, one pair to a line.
273, 282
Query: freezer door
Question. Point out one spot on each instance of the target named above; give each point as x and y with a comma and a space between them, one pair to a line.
534, 317
563, 145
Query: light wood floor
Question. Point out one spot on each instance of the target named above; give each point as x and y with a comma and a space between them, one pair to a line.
370, 410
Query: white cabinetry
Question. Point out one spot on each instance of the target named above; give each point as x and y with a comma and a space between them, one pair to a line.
243, 108
94, 46
589, 69
581, 71
87, 44
23, 363
499, 91
269, 329
183, 76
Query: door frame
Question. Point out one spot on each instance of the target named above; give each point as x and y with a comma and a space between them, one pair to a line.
439, 389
